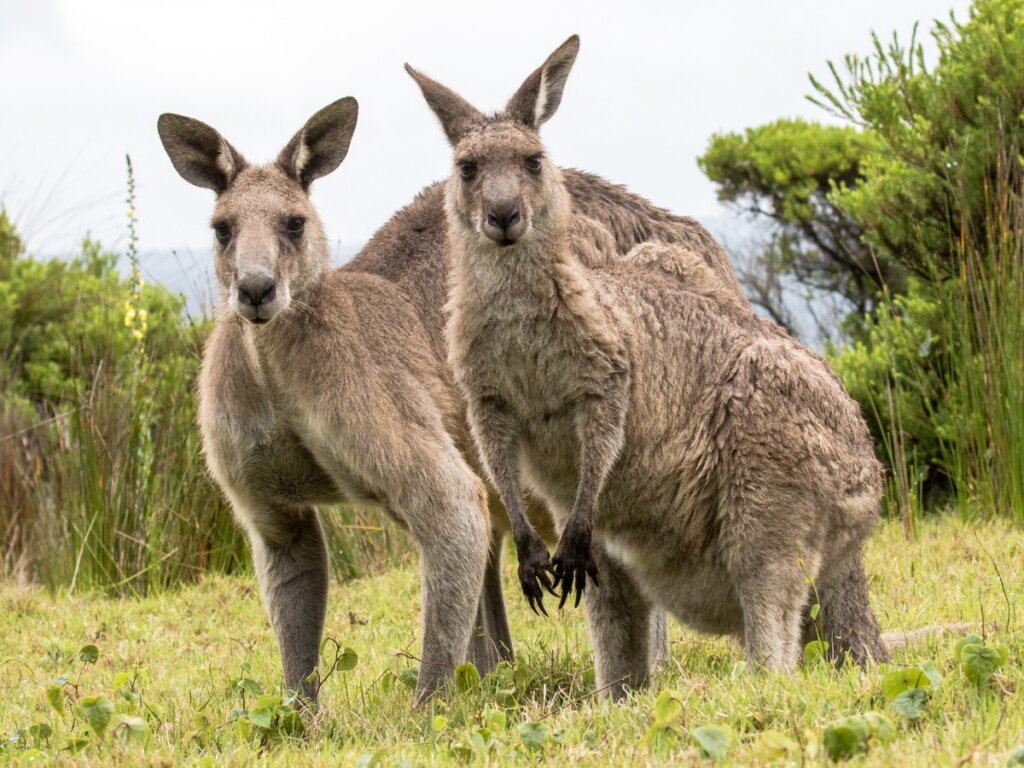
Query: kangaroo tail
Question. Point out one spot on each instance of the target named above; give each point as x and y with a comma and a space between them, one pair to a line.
897, 640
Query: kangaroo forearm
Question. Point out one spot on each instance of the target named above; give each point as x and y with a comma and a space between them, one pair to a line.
601, 431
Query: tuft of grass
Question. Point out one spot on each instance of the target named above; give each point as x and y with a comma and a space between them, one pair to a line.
193, 679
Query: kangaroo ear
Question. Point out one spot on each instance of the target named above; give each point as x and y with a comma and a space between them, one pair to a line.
456, 114
541, 93
201, 155
322, 143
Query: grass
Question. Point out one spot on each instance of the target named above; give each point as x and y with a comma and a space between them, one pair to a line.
173, 661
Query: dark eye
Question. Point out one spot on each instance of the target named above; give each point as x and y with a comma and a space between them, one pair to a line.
223, 231
295, 226
467, 168
533, 163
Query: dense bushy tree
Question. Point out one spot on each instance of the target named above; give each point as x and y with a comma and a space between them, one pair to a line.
787, 173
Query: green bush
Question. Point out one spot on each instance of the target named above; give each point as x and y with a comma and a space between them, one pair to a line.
102, 479
943, 197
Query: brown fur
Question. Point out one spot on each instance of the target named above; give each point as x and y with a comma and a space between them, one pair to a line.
694, 456
344, 391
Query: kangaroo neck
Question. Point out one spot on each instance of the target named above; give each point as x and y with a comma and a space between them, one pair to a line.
529, 268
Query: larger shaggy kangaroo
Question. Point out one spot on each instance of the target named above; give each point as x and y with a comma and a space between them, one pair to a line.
694, 456
320, 384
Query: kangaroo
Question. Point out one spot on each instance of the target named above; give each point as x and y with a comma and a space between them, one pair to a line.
694, 456
323, 384
318, 385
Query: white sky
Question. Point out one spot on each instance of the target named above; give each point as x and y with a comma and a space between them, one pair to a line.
84, 81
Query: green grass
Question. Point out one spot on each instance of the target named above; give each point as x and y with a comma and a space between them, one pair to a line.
187, 647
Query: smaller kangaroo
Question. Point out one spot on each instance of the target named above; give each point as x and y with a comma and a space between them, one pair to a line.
693, 455
318, 385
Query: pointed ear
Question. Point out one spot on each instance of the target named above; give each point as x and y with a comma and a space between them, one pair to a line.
322, 143
201, 155
541, 93
456, 114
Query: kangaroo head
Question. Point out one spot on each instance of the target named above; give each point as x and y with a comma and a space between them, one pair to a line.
503, 188
269, 245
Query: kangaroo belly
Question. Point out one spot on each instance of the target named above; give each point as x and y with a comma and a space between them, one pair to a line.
695, 589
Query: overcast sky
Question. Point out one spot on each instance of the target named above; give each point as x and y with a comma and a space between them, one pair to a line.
84, 82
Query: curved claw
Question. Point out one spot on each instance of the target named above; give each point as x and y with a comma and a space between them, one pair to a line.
537, 601
566, 579
549, 582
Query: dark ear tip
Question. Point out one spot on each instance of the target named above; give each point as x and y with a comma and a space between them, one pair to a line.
167, 121
349, 102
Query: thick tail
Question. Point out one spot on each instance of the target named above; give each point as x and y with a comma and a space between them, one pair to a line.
897, 640
845, 620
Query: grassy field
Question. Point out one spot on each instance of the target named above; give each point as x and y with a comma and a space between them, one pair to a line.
184, 672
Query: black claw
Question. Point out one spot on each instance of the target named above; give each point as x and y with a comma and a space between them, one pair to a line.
579, 591
529, 599
566, 588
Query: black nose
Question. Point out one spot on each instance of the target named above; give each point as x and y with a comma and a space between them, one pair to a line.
503, 216
256, 290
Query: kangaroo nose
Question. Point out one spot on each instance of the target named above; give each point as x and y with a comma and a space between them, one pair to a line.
256, 290
503, 216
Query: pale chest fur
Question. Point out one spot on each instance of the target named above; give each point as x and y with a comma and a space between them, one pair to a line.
260, 443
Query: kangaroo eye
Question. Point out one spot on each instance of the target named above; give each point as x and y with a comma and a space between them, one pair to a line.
223, 231
467, 169
533, 163
295, 225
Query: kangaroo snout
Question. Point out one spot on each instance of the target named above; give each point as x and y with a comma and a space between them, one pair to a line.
503, 222
255, 298
256, 290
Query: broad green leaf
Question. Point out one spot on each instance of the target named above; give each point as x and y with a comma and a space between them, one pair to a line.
440, 723
268, 701
815, 651
76, 744
911, 703
934, 676
89, 654
56, 698
40, 732
881, 727
668, 706
908, 678
980, 661
97, 711
466, 677
659, 737
971, 639
713, 741
522, 678
262, 718
496, 721
134, 730
249, 686
533, 735
479, 742
843, 742
347, 660
290, 723
815, 611
409, 676
1016, 757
